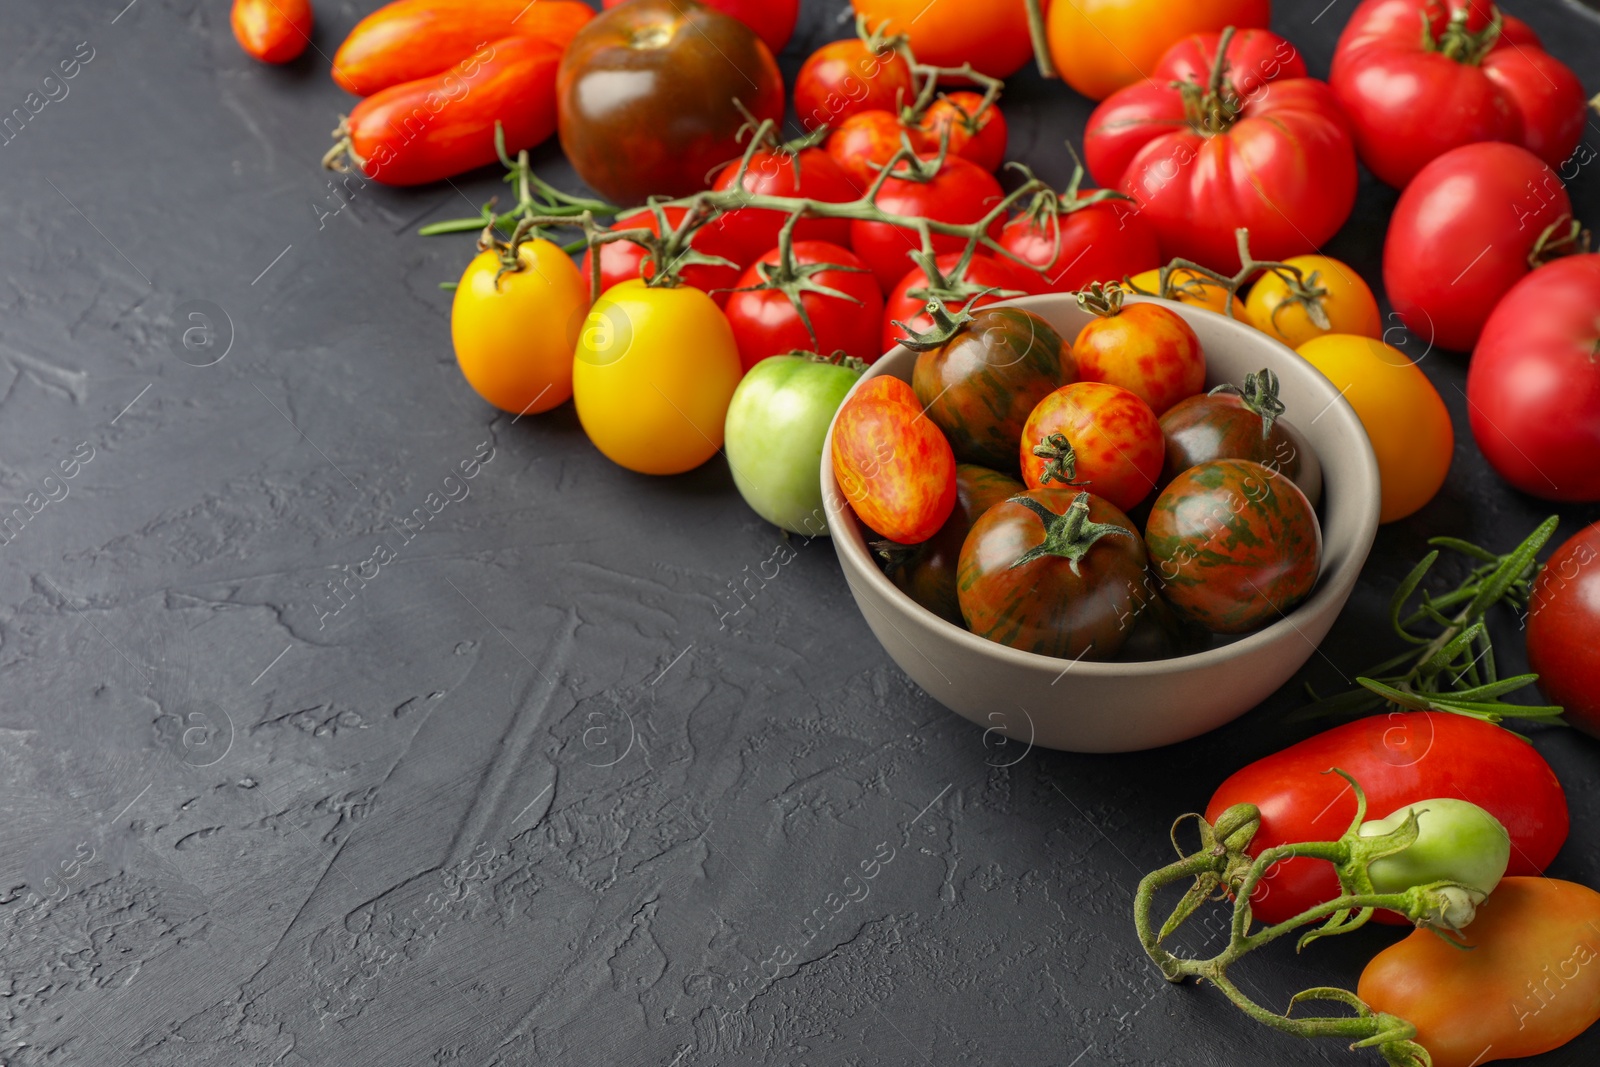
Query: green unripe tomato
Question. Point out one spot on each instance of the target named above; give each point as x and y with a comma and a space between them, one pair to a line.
1457, 841
776, 429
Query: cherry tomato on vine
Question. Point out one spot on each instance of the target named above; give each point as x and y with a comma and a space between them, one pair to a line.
1234, 545
273, 31
512, 367
1100, 46
1533, 388
845, 78
864, 143
1239, 423
977, 132
810, 174
1457, 841
992, 36
927, 573
908, 301
1280, 308
981, 385
1093, 235
622, 261
766, 323
1521, 982
960, 193
893, 466
1404, 417
655, 370
1145, 348
1471, 225
1097, 436
773, 20
1563, 619
1058, 572
1188, 288
1420, 77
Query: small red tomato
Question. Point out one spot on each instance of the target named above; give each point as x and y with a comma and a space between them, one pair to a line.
908, 301
622, 261
1146, 348
842, 306
960, 192
1095, 235
1563, 621
1234, 545
893, 466
810, 173
977, 132
273, 31
845, 78
864, 143
1094, 435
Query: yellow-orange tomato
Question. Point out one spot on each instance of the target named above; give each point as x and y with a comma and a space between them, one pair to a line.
1099, 46
1529, 984
1344, 297
514, 336
273, 31
1188, 288
992, 35
1404, 417
654, 373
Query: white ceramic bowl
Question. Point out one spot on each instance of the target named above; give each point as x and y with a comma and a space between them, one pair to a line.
1124, 707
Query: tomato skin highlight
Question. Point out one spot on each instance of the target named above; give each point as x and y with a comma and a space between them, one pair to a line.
1399, 759
894, 466
273, 31
961, 193
1114, 435
811, 174
515, 368
1105, 241
407, 40
1563, 619
1461, 236
1529, 984
434, 128
765, 323
928, 576
1234, 546
654, 374
1148, 350
622, 261
1533, 387
845, 78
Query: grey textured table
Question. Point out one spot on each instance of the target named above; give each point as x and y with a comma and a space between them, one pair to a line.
523, 799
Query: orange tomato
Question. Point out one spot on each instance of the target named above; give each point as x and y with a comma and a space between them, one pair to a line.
992, 35
273, 31
1148, 350
1335, 286
1099, 46
1529, 984
1188, 288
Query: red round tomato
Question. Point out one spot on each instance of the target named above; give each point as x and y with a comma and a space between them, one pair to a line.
1090, 236
1146, 348
1204, 160
1097, 436
1420, 77
845, 78
977, 131
1234, 545
960, 193
766, 323
908, 301
1563, 619
1057, 572
1533, 389
810, 173
773, 20
864, 143
894, 466
1398, 759
1462, 235
622, 261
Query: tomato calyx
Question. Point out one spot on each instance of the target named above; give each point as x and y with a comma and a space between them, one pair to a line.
1069, 535
794, 279
1213, 108
912, 114
945, 324
1259, 394
1461, 44
1199, 278
1564, 237
1103, 299
1061, 460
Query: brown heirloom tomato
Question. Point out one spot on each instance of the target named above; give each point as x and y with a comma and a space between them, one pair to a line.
1145, 348
647, 96
1095, 435
1231, 423
980, 386
1056, 572
927, 573
1233, 545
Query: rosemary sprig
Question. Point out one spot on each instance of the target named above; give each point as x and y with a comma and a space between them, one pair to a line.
1451, 664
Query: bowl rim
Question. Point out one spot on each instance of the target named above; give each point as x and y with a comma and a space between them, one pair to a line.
1334, 584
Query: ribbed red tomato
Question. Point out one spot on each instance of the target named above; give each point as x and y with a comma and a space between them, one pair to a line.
960, 192
765, 322
622, 261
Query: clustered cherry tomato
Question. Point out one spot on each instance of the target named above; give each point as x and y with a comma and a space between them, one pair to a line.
845, 78
955, 192
839, 305
984, 280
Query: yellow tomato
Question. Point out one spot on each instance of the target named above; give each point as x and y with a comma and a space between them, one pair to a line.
1189, 288
514, 337
1099, 46
654, 373
1401, 410
1334, 286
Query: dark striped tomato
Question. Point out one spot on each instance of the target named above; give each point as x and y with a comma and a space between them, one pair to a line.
1059, 572
1233, 545
1239, 424
981, 385
928, 573
1094, 435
